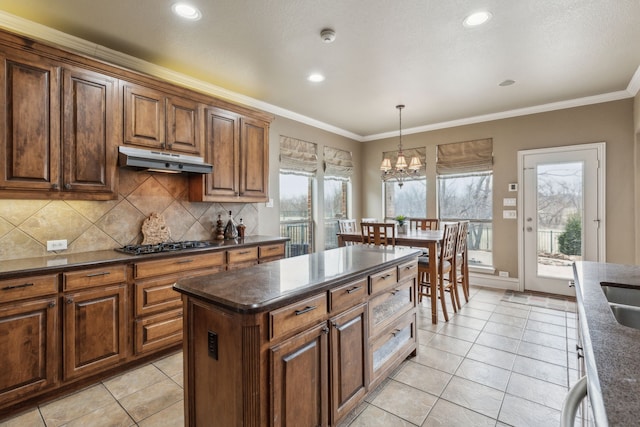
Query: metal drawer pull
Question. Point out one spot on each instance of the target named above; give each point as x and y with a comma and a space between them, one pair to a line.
24, 285
184, 261
410, 267
395, 291
244, 252
386, 276
102, 273
306, 310
354, 289
396, 332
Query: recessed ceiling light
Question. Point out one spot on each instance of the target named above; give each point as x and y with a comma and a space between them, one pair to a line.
186, 11
507, 82
476, 19
316, 78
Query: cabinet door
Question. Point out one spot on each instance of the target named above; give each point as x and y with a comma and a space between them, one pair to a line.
254, 160
90, 132
95, 330
29, 346
183, 126
348, 361
299, 380
29, 123
221, 150
144, 116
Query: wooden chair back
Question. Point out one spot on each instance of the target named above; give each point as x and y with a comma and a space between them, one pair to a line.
424, 223
448, 247
369, 220
378, 233
347, 225
461, 240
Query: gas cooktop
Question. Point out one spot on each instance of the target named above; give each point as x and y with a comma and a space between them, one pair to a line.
167, 247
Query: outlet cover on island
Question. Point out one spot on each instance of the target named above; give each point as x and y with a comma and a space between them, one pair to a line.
56, 245
269, 204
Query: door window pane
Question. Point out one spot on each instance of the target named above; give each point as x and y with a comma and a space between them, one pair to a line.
335, 208
296, 220
469, 197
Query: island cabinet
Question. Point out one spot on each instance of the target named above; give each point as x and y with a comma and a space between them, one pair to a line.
291, 343
156, 119
28, 336
238, 148
60, 129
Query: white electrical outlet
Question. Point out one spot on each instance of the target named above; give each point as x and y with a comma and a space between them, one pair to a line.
503, 273
56, 245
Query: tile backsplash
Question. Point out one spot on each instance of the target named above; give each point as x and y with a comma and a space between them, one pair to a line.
26, 225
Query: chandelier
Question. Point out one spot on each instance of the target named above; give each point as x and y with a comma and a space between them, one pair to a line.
402, 171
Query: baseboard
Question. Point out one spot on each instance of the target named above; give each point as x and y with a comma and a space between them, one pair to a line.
506, 283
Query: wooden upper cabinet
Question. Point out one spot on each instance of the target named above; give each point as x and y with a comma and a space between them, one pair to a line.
90, 132
237, 146
29, 123
154, 119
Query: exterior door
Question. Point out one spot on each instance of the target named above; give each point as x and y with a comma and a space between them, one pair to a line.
562, 215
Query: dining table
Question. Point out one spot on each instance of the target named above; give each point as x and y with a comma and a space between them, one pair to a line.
429, 239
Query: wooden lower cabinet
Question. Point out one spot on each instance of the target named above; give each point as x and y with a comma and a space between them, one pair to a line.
158, 331
28, 348
299, 386
95, 331
348, 361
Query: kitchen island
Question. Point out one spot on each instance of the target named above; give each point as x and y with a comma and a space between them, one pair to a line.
610, 349
300, 341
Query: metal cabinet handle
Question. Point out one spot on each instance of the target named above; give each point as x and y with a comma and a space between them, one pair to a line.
102, 273
67, 186
396, 332
69, 300
24, 285
243, 252
54, 186
52, 304
354, 289
306, 310
386, 276
572, 402
184, 261
395, 291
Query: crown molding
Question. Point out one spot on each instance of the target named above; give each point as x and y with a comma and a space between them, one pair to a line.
51, 36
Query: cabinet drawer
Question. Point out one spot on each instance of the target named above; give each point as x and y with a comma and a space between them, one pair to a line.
242, 255
382, 280
395, 343
16, 289
298, 316
347, 295
159, 331
406, 270
390, 304
178, 264
94, 277
268, 251
153, 296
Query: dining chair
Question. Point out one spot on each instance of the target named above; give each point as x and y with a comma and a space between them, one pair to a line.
378, 233
461, 260
347, 226
440, 284
369, 220
424, 223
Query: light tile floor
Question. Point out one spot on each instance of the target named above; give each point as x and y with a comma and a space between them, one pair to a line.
504, 360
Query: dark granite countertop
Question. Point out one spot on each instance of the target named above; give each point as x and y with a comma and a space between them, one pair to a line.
612, 350
59, 262
275, 284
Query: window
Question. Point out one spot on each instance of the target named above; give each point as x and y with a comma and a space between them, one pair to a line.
465, 192
409, 200
298, 166
338, 168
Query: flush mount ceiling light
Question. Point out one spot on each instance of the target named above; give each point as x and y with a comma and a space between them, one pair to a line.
477, 18
507, 82
316, 78
186, 11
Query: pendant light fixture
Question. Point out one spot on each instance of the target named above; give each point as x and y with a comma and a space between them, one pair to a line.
402, 171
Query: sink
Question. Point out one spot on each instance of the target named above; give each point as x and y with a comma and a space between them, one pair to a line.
621, 294
626, 315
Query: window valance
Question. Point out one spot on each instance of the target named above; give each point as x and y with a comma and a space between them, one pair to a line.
298, 156
465, 157
338, 164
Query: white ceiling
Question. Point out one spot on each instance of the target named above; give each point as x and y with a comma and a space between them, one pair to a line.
386, 52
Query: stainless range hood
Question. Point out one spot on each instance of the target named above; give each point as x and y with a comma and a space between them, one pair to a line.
161, 161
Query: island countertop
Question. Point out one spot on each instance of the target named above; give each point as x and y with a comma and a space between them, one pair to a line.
611, 350
274, 284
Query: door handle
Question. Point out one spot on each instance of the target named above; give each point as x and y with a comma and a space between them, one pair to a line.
529, 228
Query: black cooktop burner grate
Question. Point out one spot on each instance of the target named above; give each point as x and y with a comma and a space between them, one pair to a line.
166, 247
